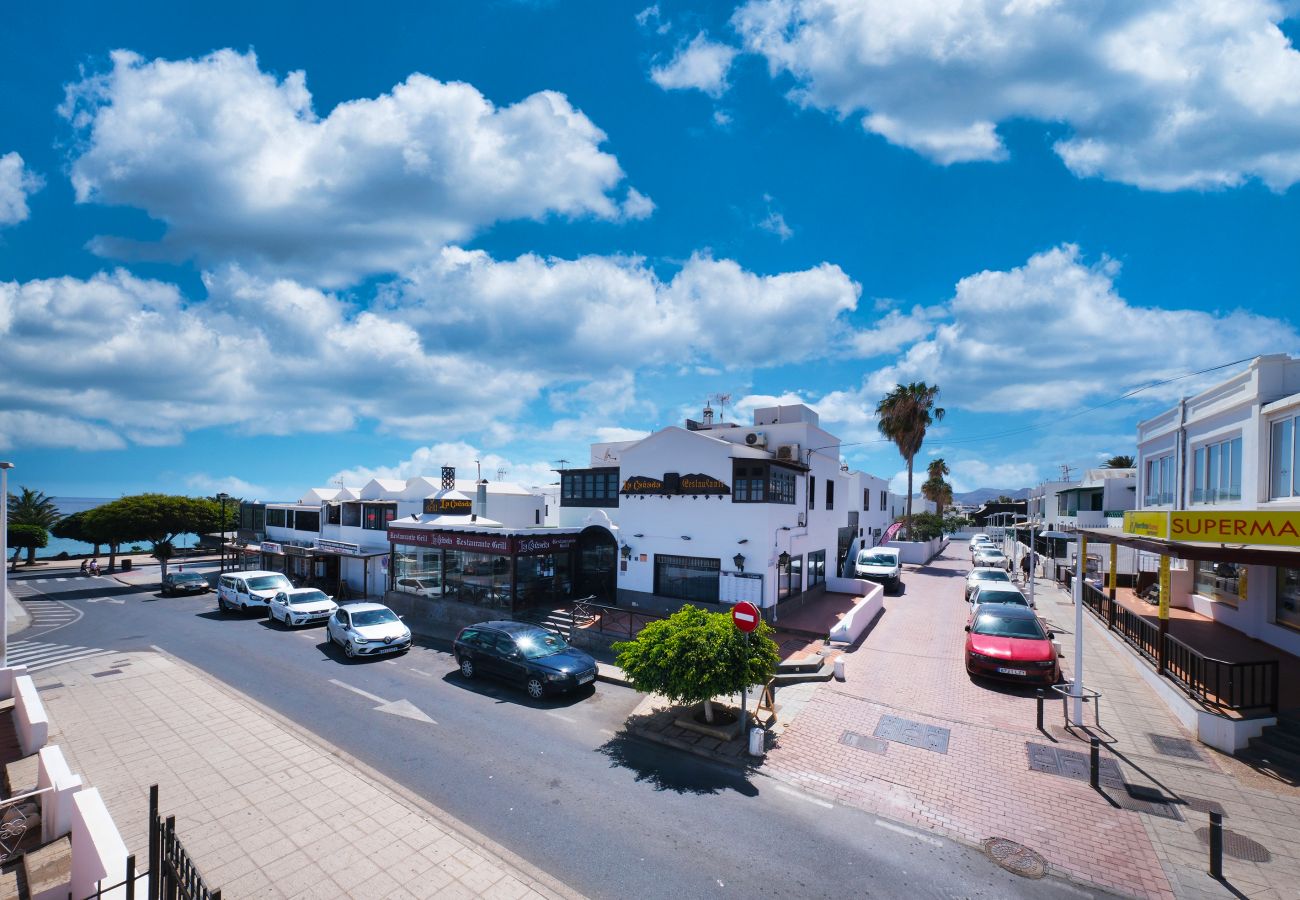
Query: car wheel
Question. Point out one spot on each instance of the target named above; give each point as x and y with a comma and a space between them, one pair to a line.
221, 604
467, 667
348, 651
535, 688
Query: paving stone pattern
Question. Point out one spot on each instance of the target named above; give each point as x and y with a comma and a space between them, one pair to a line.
1121, 838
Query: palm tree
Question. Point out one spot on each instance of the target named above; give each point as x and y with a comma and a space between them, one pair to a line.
1118, 462
33, 508
935, 488
903, 415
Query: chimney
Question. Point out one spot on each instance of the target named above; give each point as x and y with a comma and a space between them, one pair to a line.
448, 478
480, 500
708, 416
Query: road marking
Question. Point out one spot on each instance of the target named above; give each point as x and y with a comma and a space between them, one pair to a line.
565, 718
36, 655
357, 690
923, 838
404, 708
802, 796
424, 673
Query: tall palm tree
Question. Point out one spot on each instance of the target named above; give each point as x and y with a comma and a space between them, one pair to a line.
903, 415
32, 508
935, 488
1119, 462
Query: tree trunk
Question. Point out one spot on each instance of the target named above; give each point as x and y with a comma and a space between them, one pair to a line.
31, 555
708, 711
909, 498
112, 557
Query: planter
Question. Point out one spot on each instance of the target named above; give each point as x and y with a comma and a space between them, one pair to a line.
724, 721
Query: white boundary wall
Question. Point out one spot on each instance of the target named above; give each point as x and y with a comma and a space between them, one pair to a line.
872, 602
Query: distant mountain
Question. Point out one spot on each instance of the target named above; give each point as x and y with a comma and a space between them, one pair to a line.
983, 495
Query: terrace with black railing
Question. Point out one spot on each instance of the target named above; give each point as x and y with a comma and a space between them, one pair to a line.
1227, 672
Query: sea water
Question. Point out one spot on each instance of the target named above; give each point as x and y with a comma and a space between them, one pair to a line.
69, 505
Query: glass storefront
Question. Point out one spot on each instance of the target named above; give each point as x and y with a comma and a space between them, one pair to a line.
1287, 605
688, 577
1219, 581
790, 579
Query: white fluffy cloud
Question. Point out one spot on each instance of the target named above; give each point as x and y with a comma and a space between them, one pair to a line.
973, 474
211, 485
1163, 94
464, 456
17, 183
701, 65
1055, 334
241, 168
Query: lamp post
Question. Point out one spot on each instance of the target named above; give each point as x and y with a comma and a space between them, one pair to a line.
223, 497
4, 562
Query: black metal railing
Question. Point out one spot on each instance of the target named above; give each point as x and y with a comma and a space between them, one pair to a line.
614, 621
1238, 687
173, 875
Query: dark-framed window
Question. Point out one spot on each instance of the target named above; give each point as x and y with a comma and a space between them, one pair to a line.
589, 487
307, 520
816, 568
830, 494
333, 512
376, 516
275, 518
688, 577
812, 491
757, 481
790, 579
866, 500
351, 517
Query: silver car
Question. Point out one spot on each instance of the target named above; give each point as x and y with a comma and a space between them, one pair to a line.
368, 629
302, 606
985, 574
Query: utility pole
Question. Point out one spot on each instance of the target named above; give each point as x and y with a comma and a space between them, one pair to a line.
4, 562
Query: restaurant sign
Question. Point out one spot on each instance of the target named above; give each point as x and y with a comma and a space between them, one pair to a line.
1222, 527
451, 540
674, 484
271, 547
341, 547
448, 506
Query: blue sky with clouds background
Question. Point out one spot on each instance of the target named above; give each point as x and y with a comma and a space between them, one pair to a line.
259, 247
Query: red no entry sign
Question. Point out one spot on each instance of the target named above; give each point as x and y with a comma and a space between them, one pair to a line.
745, 615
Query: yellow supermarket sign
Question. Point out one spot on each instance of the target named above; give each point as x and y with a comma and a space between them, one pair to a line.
1222, 527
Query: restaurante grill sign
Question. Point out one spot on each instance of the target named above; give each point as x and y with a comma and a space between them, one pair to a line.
674, 484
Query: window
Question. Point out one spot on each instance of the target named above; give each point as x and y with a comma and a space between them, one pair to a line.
1284, 455
589, 487
830, 494
1159, 482
790, 579
761, 483
812, 491
307, 520
1216, 474
687, 577
816, 568
781, 486
1219, 581
1287, 605
866, 500
332, 513
275, 518
884, 500
376, 516
351, 517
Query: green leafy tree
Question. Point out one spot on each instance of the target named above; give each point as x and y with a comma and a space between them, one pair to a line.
29, 507
1004, 498
954, 522
1118, 462
74, 528
156, 518
695, 655
925, 526
29, 538
935, 488
903, 415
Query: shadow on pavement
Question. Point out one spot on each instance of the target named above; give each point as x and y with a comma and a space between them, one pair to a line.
505, 692
666, 770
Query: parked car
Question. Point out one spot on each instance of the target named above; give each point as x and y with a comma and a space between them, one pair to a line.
997, 592
985, 543
881, 564
368, 629
1009, 642
425, 585
174, 583
249, 590
991, 558
540, 660
302, 606
985, 574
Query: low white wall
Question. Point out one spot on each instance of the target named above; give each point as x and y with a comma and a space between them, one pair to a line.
918, 552
30, 721
56, 806
850, 628
7, 677
98, 852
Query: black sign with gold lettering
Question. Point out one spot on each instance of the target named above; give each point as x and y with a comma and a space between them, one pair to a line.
701, 484
672, 483
640, 484
448, 506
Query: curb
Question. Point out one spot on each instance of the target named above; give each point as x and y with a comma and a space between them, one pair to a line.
742, 764
538, 880
611, 675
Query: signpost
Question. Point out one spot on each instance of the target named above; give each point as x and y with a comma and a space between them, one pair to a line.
744, 615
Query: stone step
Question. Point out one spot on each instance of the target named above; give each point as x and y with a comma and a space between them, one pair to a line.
1263, 763
1280, 759
48, 870
1283, 740
1288, 723
803, 663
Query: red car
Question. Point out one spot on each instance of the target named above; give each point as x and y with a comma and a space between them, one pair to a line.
1009, 642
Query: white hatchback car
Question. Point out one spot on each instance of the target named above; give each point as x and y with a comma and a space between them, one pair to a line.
302, 606
991, 559
986, 575
368, 629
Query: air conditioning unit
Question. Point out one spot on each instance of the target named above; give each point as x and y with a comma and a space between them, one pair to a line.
803, 520
756, 439
788, 452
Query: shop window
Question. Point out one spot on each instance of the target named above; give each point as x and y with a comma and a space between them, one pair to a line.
275, 518
418, 571
1219, 581
816, 568
687, 578
482, 579
1287, 605
1284, 459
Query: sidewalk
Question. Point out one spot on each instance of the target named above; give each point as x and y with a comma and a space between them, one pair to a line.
265, 808
1140, 840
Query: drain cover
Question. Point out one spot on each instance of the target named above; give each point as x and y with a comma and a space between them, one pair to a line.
1238, 846
1174, 746
1015, 857
862, 742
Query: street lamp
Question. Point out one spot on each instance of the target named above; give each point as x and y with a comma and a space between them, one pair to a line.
4, 562
223, 497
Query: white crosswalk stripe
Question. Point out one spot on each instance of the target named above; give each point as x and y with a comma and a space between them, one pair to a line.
38, 655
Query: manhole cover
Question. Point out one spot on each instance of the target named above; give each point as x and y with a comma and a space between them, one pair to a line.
863, 742
1238, 846
1174, 746
1015, 857
914, 734
1148, 800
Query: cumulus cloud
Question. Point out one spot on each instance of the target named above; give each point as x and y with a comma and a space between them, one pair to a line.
24, 428
467, 459
1075, 340
211, 485
17, 183
1162, 94
895, 330
973, 474
700, 65
241, 168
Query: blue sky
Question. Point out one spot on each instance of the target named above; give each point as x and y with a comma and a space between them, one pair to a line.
258, 247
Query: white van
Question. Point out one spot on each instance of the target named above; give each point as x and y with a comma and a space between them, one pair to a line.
249, 590
881, 564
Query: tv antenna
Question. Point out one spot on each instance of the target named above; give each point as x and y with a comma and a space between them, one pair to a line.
501, 473
1066, 469
562, 463
723, 400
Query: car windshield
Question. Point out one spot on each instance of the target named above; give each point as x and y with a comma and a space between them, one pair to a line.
307, 597
1003, 597
992, 554
992, 575
999, 626
876, 559
536, 644
267, 582
374, 617
188, 576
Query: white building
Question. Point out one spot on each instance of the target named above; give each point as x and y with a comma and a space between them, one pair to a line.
1234, 448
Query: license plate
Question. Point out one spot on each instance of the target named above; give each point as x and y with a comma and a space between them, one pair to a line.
1002, 671
586, 678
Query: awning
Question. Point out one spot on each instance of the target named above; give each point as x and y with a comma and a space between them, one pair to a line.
1247, 554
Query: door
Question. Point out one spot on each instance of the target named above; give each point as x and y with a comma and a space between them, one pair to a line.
508, 660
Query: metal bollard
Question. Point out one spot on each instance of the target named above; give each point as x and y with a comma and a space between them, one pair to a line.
1094, 763
1216, 845
1040, 709
839, 668
756, 738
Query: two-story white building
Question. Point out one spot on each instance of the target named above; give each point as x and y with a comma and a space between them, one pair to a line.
1229, 456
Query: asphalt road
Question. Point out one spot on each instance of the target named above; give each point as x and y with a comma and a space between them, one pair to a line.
554, 780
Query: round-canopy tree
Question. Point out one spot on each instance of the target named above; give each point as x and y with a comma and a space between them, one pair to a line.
30, 507
695, 655
28, 537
